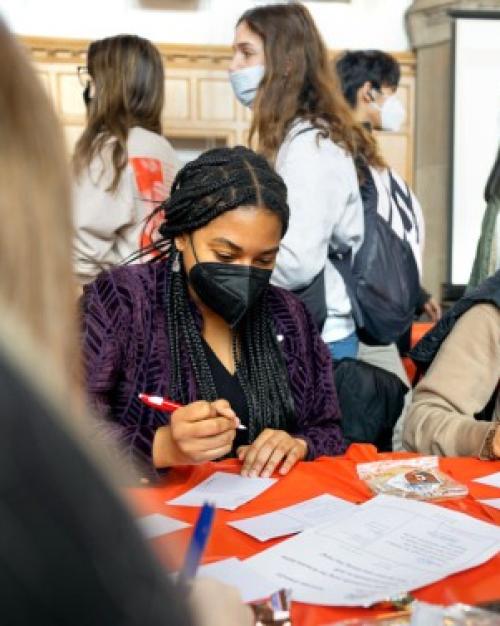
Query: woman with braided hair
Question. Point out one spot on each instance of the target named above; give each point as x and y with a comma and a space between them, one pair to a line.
201, 325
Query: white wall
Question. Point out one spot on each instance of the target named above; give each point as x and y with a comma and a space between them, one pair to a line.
477, 70
355, 24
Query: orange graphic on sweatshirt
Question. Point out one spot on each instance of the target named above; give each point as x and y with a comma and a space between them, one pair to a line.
153, 185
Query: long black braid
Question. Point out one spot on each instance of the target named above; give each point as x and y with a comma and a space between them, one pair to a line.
219, 181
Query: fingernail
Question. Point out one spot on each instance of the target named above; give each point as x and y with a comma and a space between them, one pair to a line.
238, 424
253, 474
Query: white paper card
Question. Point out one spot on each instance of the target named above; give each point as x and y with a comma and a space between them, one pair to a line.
493, 502
156, 524
226, 491
491, 479
296, 518
251, 585
385, 547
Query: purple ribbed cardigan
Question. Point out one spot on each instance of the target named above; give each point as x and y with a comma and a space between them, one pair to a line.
126, 351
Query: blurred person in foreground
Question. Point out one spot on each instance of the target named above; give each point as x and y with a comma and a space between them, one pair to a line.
70, 553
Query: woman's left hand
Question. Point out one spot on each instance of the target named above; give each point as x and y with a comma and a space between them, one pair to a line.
271, 448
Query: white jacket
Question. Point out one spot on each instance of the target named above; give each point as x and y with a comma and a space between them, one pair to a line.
325, 210
109, 227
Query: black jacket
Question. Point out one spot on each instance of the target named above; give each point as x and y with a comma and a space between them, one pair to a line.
371, 400
70, 554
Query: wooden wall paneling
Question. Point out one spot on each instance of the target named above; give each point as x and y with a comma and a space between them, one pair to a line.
44, 78
178, 100
199, 103
69, 95
398, 148
216, 102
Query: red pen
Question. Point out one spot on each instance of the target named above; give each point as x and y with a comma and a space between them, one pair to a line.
164, 404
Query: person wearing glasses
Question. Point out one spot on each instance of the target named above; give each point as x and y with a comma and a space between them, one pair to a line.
123, 166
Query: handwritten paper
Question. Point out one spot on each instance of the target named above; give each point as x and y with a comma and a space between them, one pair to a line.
251, 585
294, 519
156, 524
493, 480
385, 547
493, 502
226, 491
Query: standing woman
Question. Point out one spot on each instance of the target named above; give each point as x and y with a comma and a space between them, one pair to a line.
123, 165
304, 127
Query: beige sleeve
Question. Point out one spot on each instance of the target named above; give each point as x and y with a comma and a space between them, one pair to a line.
98, 216
458, 384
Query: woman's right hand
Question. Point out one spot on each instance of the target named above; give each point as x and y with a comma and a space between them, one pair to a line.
198, 432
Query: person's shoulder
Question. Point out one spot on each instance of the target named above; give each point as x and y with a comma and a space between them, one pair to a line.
286, 306
143, 142
125, 286
312, 149
481, 314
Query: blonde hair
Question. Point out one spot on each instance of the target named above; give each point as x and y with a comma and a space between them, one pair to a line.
299, 83
36, 280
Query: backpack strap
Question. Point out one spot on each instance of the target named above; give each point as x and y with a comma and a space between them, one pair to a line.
341, 259
397, 193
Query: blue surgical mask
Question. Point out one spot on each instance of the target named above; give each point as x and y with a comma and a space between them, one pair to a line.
245, 83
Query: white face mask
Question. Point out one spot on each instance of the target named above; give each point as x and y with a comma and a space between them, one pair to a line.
245, 83
392, 113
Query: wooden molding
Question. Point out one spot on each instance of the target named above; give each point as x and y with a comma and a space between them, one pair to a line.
58, 50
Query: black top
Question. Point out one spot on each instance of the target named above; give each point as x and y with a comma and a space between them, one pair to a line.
228, 387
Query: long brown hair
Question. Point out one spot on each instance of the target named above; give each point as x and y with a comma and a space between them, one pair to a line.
300, 83
128, 78
36, 279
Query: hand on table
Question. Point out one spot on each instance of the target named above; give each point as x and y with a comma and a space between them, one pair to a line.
198, 432
271, 448
216, 604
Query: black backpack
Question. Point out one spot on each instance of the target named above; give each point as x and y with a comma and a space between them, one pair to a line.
383, 282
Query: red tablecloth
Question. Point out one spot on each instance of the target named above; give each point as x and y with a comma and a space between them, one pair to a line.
325, 475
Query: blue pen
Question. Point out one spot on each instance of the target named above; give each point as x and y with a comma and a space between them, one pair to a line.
198, 542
